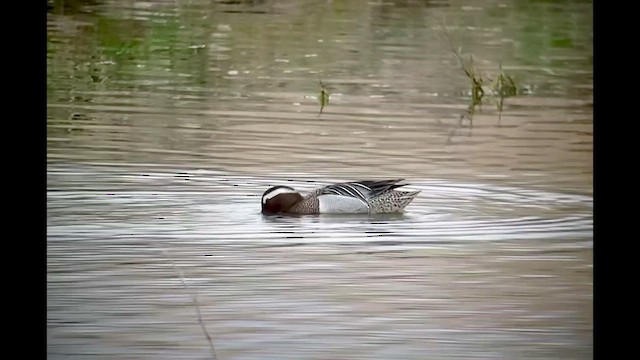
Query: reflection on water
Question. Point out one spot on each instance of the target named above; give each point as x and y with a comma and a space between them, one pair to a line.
167, 121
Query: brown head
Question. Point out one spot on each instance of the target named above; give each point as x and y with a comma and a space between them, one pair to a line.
279, 199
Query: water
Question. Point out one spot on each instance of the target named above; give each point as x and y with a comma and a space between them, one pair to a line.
167, 120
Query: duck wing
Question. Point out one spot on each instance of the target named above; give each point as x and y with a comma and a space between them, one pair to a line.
362, 190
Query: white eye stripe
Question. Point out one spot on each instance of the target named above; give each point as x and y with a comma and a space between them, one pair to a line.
277, 192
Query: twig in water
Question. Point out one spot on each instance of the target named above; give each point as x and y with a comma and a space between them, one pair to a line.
195, 301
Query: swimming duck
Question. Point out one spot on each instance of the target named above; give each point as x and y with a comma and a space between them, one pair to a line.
359, 197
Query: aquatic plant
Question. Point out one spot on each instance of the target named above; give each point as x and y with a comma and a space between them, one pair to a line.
323, 97
501, 87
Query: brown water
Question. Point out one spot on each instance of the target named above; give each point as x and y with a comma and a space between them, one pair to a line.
168, 119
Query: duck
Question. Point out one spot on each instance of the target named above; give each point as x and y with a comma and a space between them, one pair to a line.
356, 197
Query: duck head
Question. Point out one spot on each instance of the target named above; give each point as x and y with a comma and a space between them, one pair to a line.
279, 199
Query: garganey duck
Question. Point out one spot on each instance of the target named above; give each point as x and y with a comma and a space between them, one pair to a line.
358, 197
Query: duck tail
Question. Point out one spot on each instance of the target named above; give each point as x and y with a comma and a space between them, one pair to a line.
392, 201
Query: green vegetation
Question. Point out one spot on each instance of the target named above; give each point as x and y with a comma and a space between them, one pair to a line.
324, 97
477, 93
501, 87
